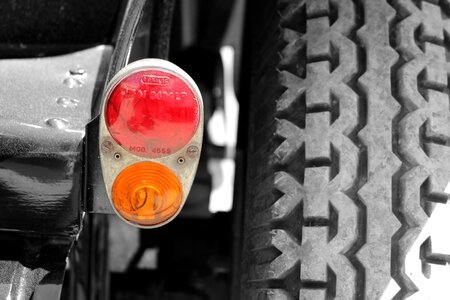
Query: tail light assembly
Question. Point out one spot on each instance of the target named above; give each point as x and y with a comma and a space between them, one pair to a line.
150, 138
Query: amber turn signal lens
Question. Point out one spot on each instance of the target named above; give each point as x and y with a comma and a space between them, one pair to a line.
147, 194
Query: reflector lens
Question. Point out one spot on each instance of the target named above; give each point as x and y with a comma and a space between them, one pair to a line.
152, 113
147, 193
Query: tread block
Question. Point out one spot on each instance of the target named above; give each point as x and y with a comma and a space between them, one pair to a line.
317, 8
295, 88
432, 25
320, 257
272, 294
438, 125
440, 156
317, 197
319, 84
294, 139
284, 263
435, 254
317, 144
320, 46
315, 256
435, 73
309, 294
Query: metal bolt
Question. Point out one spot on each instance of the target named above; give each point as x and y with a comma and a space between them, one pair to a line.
180, 160
117, 156
107, 146
192, 151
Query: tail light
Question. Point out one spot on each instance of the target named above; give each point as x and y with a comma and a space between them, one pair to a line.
151, 130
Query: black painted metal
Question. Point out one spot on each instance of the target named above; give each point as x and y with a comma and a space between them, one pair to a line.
161, 26
41, 28
96, 199
45, 106
29, 260
40, 192
127, 33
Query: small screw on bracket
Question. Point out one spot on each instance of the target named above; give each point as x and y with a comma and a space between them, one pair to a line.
192, 151
117, 156
107, 146
180, 160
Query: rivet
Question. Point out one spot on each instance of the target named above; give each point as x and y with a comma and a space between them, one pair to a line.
67, 102
77, 71
71, 82
57, 123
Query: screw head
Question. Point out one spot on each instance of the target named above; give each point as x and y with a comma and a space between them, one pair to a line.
107, 146
192, 151
180, 160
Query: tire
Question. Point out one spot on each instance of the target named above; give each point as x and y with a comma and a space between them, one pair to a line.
349, 151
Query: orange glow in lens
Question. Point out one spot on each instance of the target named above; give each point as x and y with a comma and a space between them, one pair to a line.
147, 193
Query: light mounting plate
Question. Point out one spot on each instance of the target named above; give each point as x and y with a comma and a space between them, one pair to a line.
182, 158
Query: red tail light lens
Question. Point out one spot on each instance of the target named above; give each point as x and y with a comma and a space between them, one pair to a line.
152, 113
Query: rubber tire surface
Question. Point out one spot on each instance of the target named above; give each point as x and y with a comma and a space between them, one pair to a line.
349, 153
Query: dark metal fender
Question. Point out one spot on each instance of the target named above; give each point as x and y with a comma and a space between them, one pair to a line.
45, 106
40, 192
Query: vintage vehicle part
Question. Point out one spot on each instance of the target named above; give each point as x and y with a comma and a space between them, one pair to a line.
150, 136
349, 151
46, 104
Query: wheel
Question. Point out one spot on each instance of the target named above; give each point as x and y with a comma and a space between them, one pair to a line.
349, 150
